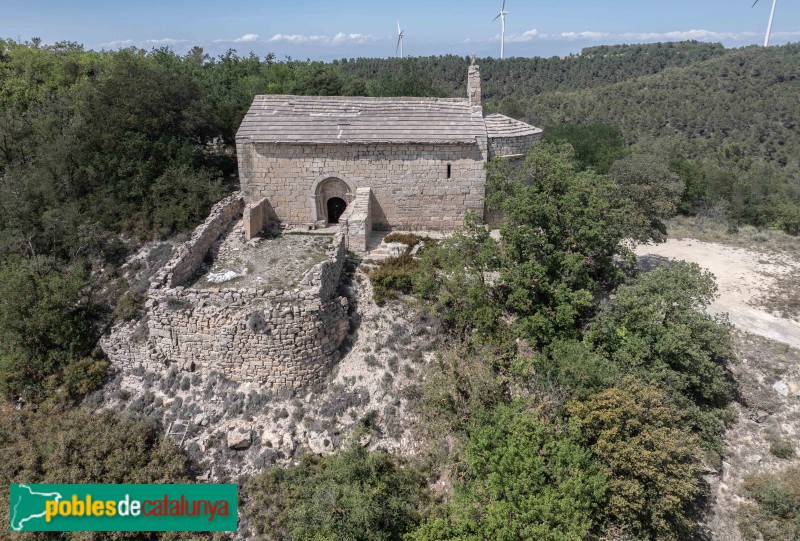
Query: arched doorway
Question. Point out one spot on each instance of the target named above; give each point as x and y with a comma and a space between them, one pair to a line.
336, 207
332, 196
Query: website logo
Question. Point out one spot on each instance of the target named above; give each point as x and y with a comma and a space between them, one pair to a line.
123, 508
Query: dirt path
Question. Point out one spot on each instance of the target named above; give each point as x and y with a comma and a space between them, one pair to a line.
745, 279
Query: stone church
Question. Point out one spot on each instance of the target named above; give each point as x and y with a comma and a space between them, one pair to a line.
383, 163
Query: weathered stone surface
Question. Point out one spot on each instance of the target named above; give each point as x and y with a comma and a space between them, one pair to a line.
321, 443
239, 438
422, 158
278, 338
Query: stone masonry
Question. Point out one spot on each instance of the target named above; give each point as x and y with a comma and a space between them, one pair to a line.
423, 158
279, 338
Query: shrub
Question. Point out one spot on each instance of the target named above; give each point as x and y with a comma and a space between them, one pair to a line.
355, 495
774, 513
652, 463
782, 449
524, 480
393, 275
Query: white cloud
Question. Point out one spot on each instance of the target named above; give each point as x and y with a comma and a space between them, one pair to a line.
118, 44
584, 35
298, 38
143, 44
246, 38
339, 39
699, 34
529, 35
165, 41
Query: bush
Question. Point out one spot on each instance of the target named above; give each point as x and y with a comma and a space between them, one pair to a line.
656, 328
523, 480
46, 322
394, 275
782, 449
355, 495
774, 514
409, 239
652, 463
81, 446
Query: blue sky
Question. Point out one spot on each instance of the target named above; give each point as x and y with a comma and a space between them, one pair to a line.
337, 29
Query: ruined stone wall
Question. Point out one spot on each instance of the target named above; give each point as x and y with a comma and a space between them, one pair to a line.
278, 338
511, 146
191, 254
409, 181
356, 222
256, 217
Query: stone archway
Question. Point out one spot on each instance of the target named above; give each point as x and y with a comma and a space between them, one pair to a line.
332, 197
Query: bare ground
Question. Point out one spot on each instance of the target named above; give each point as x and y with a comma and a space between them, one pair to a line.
756, 288
272, 261
748, 281
382, 357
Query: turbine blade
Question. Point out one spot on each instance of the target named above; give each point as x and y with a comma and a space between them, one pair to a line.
399, 31
504, 6
498, 16
397, 49
754, 4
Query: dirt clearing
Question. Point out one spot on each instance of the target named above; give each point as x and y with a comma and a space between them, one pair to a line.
751, 284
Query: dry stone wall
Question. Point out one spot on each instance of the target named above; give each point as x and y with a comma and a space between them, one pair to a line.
410, 185
279, 338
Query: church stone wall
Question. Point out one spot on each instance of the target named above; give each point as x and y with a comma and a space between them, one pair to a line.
511, 146
408, 181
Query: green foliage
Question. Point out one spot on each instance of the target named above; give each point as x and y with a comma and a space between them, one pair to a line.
456, 276
774, 514
354, 495
575, 366
651, 462
652, 188
656, 328
409, 239
596, 145
460, 386
81, 446
523, 480
395, 274
46, 322
561, 242
180, 199
782, 448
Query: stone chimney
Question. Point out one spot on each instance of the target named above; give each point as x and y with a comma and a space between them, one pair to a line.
474, 87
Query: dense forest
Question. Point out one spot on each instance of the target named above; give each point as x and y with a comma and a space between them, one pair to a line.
553, 373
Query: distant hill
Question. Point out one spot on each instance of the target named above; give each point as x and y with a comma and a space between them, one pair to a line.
747, 97
594, 67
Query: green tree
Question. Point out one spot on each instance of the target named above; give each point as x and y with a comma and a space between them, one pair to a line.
651, 462
523, 480
656, 328
46, 323
353, 495
596, 145
654, 191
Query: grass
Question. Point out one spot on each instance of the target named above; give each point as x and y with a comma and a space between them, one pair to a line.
752, 238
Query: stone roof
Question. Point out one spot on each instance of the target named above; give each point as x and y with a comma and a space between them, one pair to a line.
334, 119
498, 125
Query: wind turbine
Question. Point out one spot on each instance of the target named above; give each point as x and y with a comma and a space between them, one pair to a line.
399, 40
771, 18
502, 17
